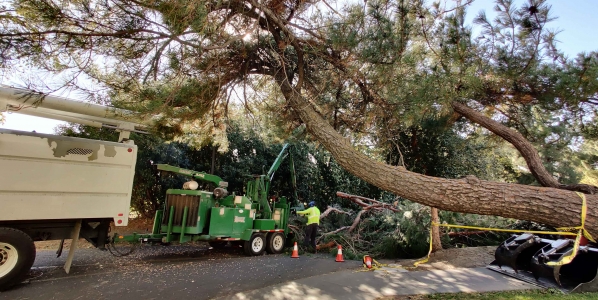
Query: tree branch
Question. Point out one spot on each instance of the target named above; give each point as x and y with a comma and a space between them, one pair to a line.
529, 153
359, 201
333, 209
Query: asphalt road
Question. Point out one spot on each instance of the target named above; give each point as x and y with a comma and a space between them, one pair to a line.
166, 272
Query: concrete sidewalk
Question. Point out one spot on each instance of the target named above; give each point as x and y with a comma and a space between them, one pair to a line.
352, 284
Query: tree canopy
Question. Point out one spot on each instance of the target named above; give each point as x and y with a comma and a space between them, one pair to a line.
357, 76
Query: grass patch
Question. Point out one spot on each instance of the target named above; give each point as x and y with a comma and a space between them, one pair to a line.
511, 295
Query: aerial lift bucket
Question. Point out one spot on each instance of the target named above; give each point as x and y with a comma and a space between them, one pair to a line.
525, 257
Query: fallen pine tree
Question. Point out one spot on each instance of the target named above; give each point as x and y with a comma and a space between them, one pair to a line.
393, 227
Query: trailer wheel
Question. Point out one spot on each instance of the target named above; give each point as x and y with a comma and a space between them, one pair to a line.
275, 243
17, 253
256, 244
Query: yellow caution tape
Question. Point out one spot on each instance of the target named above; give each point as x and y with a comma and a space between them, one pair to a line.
561, 231
584, 210
425, 259
581, 230
569, 258
377, 266
504, 230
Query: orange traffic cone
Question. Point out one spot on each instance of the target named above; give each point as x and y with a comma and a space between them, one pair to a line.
295, 251
339, 254
367, 261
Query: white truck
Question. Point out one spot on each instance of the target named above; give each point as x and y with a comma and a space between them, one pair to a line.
55, 187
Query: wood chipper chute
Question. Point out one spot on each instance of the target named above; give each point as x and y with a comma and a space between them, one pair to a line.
541, 261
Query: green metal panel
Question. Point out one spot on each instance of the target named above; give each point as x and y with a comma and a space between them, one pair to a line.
221, 221
185, 215
188, 230
256, 190
246, 236
236, 201
186, 192
241, 222
263, 224
227, 201
285, 212
242, 202
277, 217
200, 216
203, 215
169, 228
157, 222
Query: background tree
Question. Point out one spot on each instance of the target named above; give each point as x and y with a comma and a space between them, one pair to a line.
345, 74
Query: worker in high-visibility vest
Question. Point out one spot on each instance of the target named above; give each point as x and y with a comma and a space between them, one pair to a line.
313, 220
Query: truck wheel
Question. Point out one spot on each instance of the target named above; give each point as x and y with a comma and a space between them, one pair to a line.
17, 253
256, 244
275, 243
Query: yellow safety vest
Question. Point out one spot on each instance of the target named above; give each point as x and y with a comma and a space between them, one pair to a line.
313, 215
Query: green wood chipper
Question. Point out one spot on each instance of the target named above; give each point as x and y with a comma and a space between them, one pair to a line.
218, 218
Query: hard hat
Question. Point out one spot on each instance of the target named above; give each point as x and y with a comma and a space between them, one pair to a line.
312, 203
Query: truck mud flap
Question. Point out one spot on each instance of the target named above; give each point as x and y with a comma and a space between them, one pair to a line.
525, 256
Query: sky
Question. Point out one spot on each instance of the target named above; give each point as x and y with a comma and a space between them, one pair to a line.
576, 19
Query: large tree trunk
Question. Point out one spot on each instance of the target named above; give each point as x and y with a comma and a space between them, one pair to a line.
549, 206
527, 150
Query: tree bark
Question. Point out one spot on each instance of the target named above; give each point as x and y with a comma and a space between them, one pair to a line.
527, 150
549, 206
436, 242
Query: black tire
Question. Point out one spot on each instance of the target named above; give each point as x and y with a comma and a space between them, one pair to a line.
14, 241
256, 245
275, 243
217, 245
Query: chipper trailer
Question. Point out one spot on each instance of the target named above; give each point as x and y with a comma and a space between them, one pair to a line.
217, 217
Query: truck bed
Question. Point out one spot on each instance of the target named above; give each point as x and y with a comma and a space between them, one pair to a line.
50, 177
